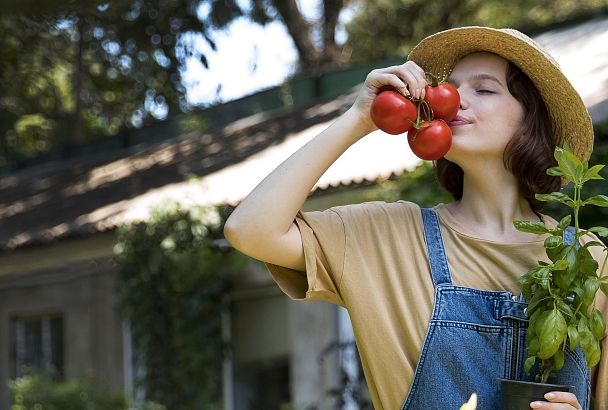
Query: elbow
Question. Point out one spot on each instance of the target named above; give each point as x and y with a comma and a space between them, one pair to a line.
231, 233
236, 233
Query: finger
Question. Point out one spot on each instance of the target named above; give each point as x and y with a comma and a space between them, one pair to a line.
414, 76
563, 397
543, 405
558, 401
378, 79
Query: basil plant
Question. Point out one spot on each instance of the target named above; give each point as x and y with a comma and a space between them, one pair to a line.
561, 292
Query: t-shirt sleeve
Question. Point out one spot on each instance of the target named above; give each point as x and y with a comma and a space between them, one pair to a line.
323, 240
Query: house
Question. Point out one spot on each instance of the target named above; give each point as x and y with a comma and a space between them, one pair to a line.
58, 302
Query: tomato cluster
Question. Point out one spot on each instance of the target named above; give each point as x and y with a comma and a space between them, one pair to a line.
425, 120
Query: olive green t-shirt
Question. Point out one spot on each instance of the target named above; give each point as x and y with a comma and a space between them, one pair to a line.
371, 259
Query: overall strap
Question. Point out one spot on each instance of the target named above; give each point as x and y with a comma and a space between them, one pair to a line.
569, 235
438, 260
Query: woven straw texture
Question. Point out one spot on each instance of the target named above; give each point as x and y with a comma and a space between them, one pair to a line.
439, 53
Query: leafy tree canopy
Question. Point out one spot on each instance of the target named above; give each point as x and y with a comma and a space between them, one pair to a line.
76, 71
80, 71
388, 28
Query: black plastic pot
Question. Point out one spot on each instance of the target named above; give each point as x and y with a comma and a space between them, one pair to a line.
517, 395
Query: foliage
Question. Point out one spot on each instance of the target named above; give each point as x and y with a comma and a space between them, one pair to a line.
40, 392
73, 72
591, 215
419, 186
90, 69
388, 28
561, 292
173, 276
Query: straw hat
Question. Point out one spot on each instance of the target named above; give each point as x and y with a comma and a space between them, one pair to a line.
440, 52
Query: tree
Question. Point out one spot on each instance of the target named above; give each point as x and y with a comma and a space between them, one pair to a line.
80, 71
389, 28
172, 280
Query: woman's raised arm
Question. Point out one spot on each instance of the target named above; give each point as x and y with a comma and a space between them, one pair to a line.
262, 226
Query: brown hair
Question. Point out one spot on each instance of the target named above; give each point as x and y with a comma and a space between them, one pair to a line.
527, 155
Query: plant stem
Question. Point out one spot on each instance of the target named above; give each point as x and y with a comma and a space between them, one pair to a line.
546, 369
604, 263
577, 197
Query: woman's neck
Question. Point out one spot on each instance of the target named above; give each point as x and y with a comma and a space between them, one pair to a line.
491, 201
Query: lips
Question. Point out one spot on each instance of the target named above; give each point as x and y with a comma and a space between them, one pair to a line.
458, 121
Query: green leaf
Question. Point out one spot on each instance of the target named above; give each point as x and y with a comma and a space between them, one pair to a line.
533, 346
538, 298
531, 227
588, 265
558, 359
593, 173
599, 230
560, 265
604, 287
529, 364
570, 165
564, 278
564, 223
590, 288
573, 336
570, 254
593, 243
553, 242
552, 333
526, 290
555, 171
598, 326
558, 197
565, 308
583, 325
597, 200
592, 353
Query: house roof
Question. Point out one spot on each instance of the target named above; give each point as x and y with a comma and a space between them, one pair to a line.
96, 193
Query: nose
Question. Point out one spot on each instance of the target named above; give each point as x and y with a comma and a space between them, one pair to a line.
463, 102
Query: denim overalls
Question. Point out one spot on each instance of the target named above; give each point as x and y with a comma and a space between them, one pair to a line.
476, 337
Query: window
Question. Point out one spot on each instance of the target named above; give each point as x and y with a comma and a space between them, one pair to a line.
262, 386
37, 344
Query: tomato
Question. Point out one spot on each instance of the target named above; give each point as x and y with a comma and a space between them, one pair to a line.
393, 113
431, 140
444, 100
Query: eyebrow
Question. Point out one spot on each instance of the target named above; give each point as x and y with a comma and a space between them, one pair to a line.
478, 77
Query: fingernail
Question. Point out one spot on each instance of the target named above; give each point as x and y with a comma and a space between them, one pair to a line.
535, 404
549, 396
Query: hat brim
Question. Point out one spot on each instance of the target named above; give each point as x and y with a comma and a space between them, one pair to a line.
439, 53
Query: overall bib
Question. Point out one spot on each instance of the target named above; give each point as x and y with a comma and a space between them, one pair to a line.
474, 338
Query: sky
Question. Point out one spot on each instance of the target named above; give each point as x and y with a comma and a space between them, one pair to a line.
249, 57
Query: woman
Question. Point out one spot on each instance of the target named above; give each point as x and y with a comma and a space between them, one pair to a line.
415, 281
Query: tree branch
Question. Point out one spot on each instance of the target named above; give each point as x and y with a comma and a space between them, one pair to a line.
299, 30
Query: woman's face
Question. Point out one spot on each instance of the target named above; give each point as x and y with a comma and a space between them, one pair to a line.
489, 115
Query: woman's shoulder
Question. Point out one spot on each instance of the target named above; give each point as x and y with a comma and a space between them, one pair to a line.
378, 209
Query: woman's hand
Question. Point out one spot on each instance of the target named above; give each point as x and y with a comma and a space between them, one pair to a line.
407, 78
558, 400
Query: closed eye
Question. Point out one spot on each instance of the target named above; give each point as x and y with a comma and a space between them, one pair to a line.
483, 91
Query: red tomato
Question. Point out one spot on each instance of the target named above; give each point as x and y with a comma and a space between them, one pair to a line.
393, 113
431, 141
444, 100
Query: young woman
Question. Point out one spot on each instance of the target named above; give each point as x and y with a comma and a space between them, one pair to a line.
432, 293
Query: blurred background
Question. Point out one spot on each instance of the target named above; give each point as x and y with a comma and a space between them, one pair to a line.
128, 132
